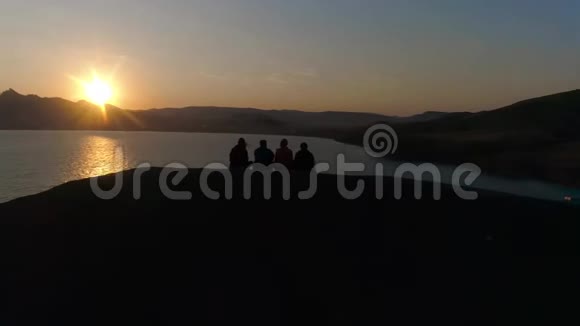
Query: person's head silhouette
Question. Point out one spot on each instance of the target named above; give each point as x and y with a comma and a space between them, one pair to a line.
304, 146
284, 143
242, 142
263, 143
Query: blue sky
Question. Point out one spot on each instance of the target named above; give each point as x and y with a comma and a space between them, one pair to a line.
393, 57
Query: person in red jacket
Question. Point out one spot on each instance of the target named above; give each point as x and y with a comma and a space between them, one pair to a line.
284, 155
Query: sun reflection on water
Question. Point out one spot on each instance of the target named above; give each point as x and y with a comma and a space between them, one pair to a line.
98, 156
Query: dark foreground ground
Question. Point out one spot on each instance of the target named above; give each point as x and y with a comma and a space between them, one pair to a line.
70, 258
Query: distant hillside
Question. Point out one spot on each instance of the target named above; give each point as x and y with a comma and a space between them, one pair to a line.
32, 112
538, 138
536, 122
555, 115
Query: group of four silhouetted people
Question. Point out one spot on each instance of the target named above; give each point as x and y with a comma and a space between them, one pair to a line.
303, 161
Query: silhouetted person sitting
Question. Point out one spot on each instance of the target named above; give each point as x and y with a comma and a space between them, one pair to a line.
239, 155
263, 155
284, 154
304, 160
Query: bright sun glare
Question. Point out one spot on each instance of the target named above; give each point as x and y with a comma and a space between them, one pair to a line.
98, 91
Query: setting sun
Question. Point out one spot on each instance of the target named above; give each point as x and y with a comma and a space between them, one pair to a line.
98, 91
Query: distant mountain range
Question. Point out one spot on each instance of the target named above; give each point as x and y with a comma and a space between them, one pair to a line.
538, 138
32, 112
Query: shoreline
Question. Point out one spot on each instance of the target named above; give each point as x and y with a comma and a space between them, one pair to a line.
347, 140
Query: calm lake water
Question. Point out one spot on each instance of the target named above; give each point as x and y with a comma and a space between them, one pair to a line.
34, 161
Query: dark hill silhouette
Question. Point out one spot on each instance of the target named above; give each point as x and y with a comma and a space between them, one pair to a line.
74, 259
32, 112
537, 138
555, 115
